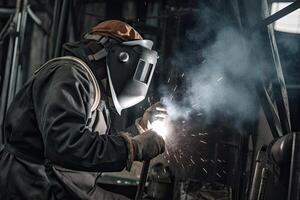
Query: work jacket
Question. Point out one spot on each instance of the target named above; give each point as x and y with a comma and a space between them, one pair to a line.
58, 137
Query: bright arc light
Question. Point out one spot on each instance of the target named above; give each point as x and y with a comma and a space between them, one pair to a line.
160, 127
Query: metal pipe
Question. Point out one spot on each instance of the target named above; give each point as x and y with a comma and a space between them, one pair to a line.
7, 11
143, 179
281, 13
14, 65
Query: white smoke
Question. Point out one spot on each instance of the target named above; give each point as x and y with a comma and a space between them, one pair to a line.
224, 82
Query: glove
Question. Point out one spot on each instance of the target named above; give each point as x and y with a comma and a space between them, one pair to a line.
154, 112
147, 145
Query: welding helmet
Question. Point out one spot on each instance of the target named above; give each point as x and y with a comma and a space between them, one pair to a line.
130, 61
130, 67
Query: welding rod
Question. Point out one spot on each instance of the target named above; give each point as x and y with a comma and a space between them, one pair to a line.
143, 179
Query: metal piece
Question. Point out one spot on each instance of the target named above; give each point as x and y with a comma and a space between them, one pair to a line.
15, 57
36, 19
294, 179
143, 179
263, 182
283, 12
7, 11
269, 110
257, 173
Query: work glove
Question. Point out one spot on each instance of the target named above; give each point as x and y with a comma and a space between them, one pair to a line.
147, 145
143, 147
155, 112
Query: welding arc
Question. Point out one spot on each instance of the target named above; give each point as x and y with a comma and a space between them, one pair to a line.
143, 179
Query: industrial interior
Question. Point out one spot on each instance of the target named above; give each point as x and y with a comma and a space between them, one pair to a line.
227, 73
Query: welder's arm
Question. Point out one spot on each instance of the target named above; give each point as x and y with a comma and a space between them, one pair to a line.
61, 101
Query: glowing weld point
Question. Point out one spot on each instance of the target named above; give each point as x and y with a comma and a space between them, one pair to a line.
160, 127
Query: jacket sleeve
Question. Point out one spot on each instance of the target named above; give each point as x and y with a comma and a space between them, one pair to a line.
62, 98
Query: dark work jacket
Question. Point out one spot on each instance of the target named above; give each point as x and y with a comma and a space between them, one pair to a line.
56, 146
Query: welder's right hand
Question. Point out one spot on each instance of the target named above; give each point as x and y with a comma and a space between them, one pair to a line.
147, 145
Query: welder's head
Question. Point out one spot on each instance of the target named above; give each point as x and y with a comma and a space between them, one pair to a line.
130, 61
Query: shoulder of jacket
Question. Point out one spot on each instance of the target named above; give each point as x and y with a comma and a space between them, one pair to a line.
83, 66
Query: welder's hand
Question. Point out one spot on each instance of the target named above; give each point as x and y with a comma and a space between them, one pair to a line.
155, 112
147, 145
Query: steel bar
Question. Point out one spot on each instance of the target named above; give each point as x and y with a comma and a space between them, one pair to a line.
143, 179
281, 13
294, 179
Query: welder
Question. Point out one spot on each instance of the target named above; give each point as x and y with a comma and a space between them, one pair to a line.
58, 131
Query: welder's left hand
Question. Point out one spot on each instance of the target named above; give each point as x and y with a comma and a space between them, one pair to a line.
155, 112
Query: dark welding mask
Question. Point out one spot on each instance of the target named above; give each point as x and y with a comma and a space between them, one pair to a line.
130, 67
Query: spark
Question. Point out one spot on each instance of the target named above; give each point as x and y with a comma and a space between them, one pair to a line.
212, 161
219, 79
175, 158
182, 75
182, 166
219, 160
192, 161
218, 175
169, 79
203, 142
193, 135
175, 88
224, 172
196, 106
204, 170
201, 134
